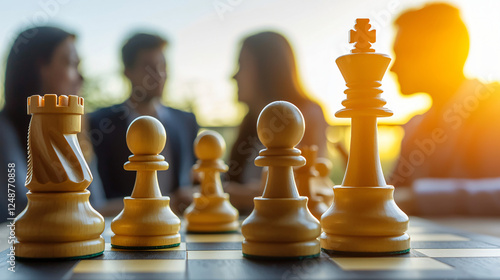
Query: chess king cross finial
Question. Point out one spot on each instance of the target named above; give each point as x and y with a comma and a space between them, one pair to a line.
362, 36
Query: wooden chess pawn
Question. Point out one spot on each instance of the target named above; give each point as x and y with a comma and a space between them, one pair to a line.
146, 221
211, 210
58, 222
304, 176
364, 219
280, 226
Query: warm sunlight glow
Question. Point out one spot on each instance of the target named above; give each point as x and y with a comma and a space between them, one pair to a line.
204, 45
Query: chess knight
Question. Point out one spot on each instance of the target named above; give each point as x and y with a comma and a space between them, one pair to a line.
58, 221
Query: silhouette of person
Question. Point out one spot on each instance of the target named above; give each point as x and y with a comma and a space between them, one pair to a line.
145, 67
458, 136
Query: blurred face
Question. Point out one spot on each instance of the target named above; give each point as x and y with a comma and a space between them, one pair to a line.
246, 77
148, 74
426, 65
61, 75
411, 65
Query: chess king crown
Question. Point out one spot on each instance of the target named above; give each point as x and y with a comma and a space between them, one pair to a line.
363, 70
53, 104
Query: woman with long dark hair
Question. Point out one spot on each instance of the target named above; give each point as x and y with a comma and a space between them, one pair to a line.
268, 72
42, 60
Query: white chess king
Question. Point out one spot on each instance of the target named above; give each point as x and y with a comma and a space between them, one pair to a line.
364, 217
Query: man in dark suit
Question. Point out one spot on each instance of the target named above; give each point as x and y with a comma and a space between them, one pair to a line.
145, 68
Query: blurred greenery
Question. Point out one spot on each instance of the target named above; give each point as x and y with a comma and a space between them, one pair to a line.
95, 96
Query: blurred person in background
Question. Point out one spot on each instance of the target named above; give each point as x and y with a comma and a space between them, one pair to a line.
267, 72
144, 67
42, 60
459, 136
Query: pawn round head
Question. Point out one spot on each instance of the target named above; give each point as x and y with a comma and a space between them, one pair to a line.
209, 145
280, 125
146, 136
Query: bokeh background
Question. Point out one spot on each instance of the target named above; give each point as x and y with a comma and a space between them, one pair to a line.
204, 40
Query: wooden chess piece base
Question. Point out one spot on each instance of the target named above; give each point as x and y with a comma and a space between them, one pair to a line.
146, 223
210, 214
364, 220
280, 228
59, 226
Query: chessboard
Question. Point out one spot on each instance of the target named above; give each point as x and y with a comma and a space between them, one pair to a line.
437, 252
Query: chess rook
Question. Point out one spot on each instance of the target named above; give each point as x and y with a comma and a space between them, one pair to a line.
280, 226
364, 217
211, 210
58, 222
146, 221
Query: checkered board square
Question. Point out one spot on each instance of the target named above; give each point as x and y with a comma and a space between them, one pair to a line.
437, 253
